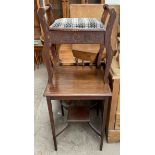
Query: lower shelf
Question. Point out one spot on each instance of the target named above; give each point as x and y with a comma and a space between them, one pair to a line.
78, 114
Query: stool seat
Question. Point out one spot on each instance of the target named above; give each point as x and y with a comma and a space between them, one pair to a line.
91, 24
72, 82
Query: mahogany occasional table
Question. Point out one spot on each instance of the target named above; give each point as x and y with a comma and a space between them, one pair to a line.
77, 82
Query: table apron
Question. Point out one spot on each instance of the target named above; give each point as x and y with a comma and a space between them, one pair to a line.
78, 98
76, 37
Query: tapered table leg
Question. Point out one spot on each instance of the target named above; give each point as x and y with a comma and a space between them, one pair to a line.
52, 121
104, 118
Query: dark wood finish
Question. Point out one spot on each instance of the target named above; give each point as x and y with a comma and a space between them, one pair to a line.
37, 31
50, 14
52, 121
79, 37
94, 129
47, 60
76, 82
76, 37
54, 3
104, 118
78, 114
100, 55
73, 82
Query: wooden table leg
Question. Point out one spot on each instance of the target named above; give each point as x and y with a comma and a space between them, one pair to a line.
104, 117
52, 121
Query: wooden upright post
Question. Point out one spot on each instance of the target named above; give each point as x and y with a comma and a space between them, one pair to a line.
84, 1
65, 8
102, 1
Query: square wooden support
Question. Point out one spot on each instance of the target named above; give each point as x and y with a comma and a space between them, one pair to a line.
113, 124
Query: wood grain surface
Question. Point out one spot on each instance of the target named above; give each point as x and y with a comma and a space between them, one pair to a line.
78, 81
78, 114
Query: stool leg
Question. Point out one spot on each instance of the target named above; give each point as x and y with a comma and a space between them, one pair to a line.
52, 121
55, 54
104, 118
47, 61
99, 57
109, 56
